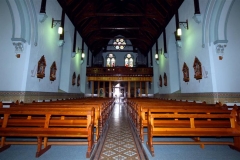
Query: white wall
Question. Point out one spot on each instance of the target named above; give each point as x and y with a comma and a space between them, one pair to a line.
12, 69
40, 40
47, 45
227, 69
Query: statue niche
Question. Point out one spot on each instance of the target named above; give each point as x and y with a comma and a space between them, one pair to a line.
197, 69
41, 67
53, 71
185, 71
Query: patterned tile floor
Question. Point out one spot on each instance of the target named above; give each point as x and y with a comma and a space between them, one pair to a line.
119, 143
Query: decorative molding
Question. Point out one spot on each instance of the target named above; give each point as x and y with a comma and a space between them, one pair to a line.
19, 47
179, 43
220, 46
42, 17
60, 43
206, 21
34, 22
208, 97
197, 18
73, 54
118, 79
29, 97
165, 55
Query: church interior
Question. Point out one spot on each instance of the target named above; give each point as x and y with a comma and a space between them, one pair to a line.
121, 80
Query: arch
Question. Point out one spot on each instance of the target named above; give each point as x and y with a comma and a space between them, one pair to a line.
111, 60
128, 60
24, 19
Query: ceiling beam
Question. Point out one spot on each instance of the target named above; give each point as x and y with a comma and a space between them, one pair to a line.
121, 28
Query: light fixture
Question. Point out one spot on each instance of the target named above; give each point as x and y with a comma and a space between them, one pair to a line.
185, 25
60, 30
54, 23
156, 56
83, 56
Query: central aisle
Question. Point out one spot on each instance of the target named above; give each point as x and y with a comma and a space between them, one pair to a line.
119, 142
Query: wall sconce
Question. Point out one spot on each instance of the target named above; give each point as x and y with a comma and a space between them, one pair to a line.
157, 57
54, 23
82, 57
185, 25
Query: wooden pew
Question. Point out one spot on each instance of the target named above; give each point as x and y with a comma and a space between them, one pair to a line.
103, 108
98, 122
138, 110
45, 123
193, 123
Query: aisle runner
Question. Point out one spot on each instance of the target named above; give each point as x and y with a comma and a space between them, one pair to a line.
119, 143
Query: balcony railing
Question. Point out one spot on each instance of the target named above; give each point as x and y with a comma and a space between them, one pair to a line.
120, 71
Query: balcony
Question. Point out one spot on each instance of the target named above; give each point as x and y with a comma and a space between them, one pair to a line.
119, 71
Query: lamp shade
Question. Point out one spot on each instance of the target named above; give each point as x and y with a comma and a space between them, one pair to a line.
156, 56
83, 55
60, 30
179, 32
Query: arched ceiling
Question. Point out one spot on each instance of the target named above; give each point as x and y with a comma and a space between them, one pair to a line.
140, 21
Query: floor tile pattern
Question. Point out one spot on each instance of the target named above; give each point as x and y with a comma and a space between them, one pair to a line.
119, 143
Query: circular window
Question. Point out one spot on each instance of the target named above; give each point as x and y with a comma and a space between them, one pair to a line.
119, 43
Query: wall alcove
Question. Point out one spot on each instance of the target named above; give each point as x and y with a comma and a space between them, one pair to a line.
185, 71
74, 78
41, 67
53, 71
165, 79
197, 69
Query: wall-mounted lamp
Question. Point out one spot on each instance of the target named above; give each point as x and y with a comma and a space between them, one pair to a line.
156, 56
60, 28
185, 25
83, 56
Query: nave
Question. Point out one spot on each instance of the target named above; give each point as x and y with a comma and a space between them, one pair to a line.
120, 142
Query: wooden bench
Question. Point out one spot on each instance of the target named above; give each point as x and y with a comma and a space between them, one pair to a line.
45, 123
143, 119
138, 111
102, 109
193, 123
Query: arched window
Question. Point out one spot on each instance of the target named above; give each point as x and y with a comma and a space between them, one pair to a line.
128, 60
111, 60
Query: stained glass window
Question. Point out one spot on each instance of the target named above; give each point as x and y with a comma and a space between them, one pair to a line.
128, 60
119, 43
111, 60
